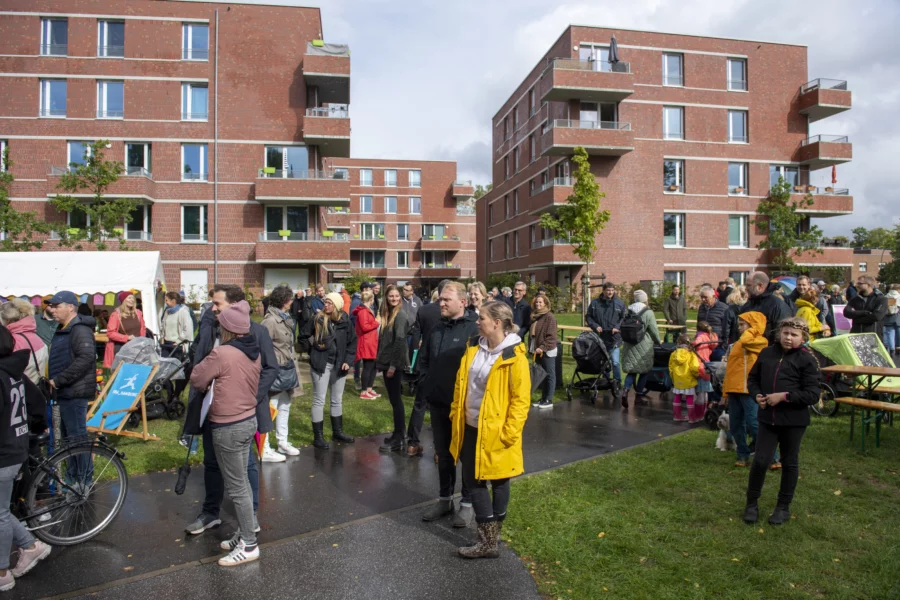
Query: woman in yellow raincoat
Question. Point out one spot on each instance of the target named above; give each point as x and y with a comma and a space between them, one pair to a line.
808, 310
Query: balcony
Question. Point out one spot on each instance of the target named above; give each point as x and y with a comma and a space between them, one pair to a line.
285, 235
302, 187
463, 188
368, 243
822, 98
823, 151
447, 242
134, 182
328, 127
590, 81
302, 248
827, 201
327, 67
110, 51
554, 193
337, 217
599, 138
440, 271
552, 252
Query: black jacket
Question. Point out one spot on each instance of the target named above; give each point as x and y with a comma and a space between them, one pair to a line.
22, 409
300, 311
522, 316
609, 315
392, 346
73, 359
203, 344
720, 318
338, 346
867, 313
794, 371
440, 358
774, 308
428, 317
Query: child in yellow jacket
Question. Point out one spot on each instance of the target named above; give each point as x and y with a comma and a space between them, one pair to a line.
742, 408
686, 369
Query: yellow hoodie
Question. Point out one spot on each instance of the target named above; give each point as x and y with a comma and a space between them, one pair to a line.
809, 312
685, 368
744, 353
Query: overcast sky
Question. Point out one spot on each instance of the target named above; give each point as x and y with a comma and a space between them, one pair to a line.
427, 75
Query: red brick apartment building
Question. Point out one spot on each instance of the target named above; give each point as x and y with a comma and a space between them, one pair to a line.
233, 123
685, 134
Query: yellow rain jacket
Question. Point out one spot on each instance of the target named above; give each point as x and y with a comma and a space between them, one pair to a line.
809, 312
744, 353
685, 369
504, 409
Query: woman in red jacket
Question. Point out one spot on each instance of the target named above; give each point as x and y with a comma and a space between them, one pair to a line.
125, 324
367, 348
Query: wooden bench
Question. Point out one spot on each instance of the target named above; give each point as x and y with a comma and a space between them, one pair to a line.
882, 411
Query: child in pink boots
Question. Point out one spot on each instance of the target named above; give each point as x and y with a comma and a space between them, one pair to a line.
686, 369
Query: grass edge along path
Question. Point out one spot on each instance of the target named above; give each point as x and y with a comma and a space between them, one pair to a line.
663, 521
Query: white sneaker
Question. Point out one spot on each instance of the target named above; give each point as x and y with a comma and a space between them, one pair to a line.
239, 555
287, 448
29, 558
270, 455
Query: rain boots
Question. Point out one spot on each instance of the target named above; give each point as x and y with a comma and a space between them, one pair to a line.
488, 541
337, 431
318, 435
677, 415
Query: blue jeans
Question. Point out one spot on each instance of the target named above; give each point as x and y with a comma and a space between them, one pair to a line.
214, 482
742, 411
641, 386
73, 417
891, 337
616, 365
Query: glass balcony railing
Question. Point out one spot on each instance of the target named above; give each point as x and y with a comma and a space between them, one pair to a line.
111, 51
302, 236
194, 116
110, 114
194, 54
139, 236
462, 182
828, 139
194, 237
823, 84
575, 64
272, 173
52, 112
577, 124
194, 176
329, 112
556, 181
54, 49
138, 172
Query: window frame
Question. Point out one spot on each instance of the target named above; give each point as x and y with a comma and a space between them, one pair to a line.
515, 204
387, 202
742, 277
864, 267
3, 146
665, 69
434, 235
87, 219
46, 36
666, 133
743, 184
148, 158
370, 180
679, 176
103, 38
371, 254
680, 278
403, 227
145, 230
362, 205
409, 178
404, 255
187, 38
86, 151
187, 99
680, 230
204, 161
746, 119
413, 209
744, 234
204, 224
782, 169
376, 230
386, 183
103, 99
45, 96
433, 254
729, 80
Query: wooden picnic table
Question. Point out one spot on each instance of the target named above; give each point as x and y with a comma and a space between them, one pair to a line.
873, 376
573, 328
101, 338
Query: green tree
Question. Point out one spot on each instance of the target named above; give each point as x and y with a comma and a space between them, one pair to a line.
880, 238
778, 213
581, 219
353, 281
104, 215
18, 227
834, 275
860, 237
841, 240
481, 190
890, 272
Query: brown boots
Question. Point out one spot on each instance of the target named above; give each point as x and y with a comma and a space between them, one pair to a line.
488, 542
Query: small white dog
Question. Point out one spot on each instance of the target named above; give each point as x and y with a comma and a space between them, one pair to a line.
724, 425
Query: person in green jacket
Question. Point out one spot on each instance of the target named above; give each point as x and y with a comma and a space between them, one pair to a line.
637, 359
675, 312
46, 325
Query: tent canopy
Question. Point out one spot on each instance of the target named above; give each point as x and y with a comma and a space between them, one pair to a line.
42, 273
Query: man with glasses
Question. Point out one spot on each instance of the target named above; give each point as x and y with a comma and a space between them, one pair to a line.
521, 309
868, 308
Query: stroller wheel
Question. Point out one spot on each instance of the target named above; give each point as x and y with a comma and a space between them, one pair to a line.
175, 409
569, 393
594, 395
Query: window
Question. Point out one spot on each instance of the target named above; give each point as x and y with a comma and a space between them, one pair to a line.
597, 56
533, 147
491, 249
673, 176
403, 232
139, 227
415, 178
506, 167
506, 131
515, 113
740, 277
110, 99
791, 175
434, 260
673, 122
515, 243
506, 245
372, 231
137, 159
490, 214
676, 277
365, 204
78, 219
390, 205
863, 267
194, 41
738, 231
532, 105
193, 160
111, 39
54, 37
365, 177
2, 156
371, 259
737, 126
390, 177
403, 260
53, 98
515, 206
672, 71
286, 223
532, 234
415, 205
433, 232
193, 101
341, 173
506, 205
78, 154
194, 224
673, 230
737, 178
288, 162
516, 160
737, 74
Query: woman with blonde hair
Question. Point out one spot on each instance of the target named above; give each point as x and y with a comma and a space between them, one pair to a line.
125, 324
477, 296
18, 316
490, 405
808, 310
392, 360
367, 347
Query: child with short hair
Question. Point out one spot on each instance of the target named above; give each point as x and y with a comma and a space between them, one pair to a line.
685, 369
704, 343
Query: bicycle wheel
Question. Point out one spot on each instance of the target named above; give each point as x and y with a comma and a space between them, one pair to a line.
76, 493
826, 406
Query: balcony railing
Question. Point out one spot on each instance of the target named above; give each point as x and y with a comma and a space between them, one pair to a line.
462, 182
820, 191
194, 176
110, 114
673, 81
550, 242
823, 84
576, 64
269, 173
573, 124
139, 236
111, 51
138, 172
301, 236
52, 112
331, 112
738, 139
194, 54
194, 237
737, 84
338, 210
194, 116
828, 139
556, 181
54, 49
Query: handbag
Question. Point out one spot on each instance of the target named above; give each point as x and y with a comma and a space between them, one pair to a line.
538, 374
286, 380
43, 383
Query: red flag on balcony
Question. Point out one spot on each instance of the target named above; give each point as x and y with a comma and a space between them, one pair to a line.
833, 174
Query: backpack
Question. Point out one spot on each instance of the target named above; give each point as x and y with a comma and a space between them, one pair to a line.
633, 328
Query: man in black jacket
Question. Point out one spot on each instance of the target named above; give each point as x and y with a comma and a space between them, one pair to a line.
763, 299
719, 317
300, 311
521, 309
438, 366
72, 371
804, 284
605, 315
207, 338
868, 308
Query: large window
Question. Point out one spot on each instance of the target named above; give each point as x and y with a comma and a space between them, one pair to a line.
740, 277
110, 99
433, 232
287, 161
673, 122
737, 178
194, 224
390, 205
53, 98
194, 162
137, 159
737, 74
372, 231
598, 115
195, 41
672, 72
390, 177
737, 126
371, 259
673, 230
2, 156
506, 167
365, 177
415, 178
415, 205
738, 231
54, 37
434, 260
675, 277
515, 206
403, 232
194, 99
78, 154
597, 56
287, 223
111, 39
139, 228
791, 175
403, 260
365, 204
78, 219
673, 176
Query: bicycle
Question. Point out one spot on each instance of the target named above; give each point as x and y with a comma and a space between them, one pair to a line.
73, 494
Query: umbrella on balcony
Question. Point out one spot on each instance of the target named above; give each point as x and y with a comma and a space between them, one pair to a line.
833, 174
613, 51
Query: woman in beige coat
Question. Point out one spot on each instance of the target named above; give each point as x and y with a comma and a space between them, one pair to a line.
281, 329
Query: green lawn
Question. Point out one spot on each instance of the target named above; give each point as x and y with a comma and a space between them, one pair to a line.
664, 521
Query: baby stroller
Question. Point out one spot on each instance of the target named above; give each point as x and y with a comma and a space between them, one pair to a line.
659, 380
592, 358
716, 371
159, 397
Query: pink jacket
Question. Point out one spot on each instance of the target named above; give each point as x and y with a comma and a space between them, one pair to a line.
115, 335
237, 380
705, 350
27, 327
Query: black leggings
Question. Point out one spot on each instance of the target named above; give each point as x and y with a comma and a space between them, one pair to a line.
768, 437
394, 385
486, 508
368, 373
